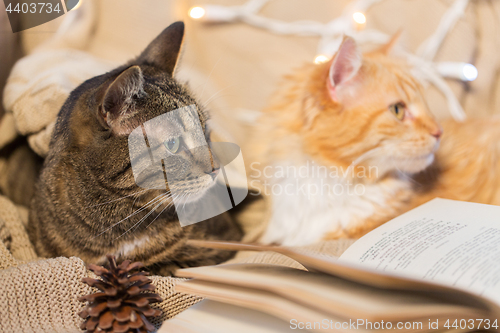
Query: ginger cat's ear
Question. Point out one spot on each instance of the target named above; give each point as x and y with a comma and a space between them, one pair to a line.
345, 65
389, 46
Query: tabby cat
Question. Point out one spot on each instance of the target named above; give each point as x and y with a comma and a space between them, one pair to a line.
87, 203
349, 144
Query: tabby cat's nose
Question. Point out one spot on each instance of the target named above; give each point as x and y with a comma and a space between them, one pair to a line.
213, 173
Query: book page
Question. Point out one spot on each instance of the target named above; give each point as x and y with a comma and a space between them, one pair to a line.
443, 241
214, 317
260, 300
346, 270
338, 297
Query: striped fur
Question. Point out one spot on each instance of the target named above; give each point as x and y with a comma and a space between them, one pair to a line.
87, 203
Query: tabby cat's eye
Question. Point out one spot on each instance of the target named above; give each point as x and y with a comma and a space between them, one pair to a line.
398, 110
173, 145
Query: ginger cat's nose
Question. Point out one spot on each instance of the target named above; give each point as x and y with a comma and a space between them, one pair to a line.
437, 132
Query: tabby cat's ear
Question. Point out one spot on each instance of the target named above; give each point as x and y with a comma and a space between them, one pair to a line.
118, 100
163, 52
344, 66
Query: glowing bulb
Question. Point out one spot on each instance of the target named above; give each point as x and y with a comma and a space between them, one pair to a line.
320, 58
197, 12
470, 72
457, 70
359, 18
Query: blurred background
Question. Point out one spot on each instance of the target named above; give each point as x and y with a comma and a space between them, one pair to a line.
236, 67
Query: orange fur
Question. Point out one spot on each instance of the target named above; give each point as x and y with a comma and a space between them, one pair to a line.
338, 124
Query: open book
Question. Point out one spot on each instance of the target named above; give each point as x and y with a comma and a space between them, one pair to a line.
435, 268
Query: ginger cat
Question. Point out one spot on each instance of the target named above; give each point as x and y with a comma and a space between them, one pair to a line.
349, 144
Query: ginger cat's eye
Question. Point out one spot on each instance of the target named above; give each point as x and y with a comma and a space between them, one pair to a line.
398, 110
173, 145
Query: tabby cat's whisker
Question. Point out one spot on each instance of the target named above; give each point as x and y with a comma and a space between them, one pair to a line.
186, 198
107, 202
167, 206
209, 75
132, 207
150, 203
133, 203
163, 200
141, 220
180, 199
215, 95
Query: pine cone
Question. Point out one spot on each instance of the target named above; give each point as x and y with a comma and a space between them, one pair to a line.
123, 303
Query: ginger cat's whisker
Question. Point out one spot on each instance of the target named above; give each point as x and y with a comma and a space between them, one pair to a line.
364, 157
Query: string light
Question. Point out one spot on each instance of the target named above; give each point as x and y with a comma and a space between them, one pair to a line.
457, 70
320, 58
359, 18
196, 12
469, 72
331, 35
